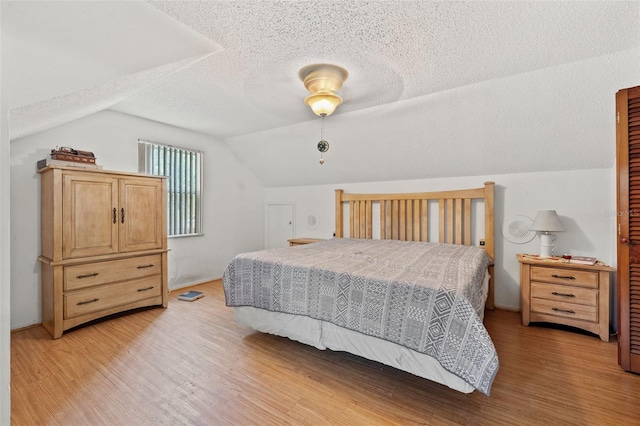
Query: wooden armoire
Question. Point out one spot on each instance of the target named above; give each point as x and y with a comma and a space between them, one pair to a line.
628, 217
103, 244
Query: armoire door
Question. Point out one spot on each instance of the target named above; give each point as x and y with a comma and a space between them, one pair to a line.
89, 215
628, 214
141, 214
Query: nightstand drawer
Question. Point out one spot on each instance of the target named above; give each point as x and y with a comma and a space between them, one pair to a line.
564, 310
563, 293
566, 276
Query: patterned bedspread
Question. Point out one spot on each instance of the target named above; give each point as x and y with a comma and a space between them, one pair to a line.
425, 296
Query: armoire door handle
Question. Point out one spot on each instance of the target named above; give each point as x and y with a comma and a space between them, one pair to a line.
115, 215
122, 215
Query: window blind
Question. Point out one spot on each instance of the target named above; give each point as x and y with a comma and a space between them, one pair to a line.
183, 168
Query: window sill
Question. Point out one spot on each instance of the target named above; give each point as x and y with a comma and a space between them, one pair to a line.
186, 235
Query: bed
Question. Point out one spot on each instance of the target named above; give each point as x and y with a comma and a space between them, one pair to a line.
404, 282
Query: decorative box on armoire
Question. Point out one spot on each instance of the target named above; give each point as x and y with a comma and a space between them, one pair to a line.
103, 244
628, 217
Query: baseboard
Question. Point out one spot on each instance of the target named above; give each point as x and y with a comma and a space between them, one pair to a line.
191, 284
507, 308
27, 327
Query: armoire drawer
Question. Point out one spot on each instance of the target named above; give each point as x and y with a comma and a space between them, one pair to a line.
107, 296
92, 274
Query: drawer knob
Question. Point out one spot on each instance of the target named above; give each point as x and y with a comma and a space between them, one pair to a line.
145, 266
95, 274
566, 311
555, 293
564, 277
86, 302
145, 289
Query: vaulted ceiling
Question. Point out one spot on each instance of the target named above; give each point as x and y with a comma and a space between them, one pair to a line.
229, 69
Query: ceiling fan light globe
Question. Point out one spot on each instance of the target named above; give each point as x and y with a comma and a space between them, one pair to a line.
323, 104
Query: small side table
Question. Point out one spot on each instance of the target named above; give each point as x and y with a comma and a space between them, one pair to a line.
301, 241
565, 293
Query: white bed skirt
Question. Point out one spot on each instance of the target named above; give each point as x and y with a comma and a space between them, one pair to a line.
325, 335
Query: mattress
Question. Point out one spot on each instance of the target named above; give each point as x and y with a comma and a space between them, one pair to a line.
324, 335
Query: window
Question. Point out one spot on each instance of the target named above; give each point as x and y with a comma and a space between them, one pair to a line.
183, 168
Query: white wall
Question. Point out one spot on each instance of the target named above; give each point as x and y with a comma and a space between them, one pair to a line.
5, 264
584, 200
233, 205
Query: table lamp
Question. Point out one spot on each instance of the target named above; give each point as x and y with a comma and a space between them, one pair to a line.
547, 221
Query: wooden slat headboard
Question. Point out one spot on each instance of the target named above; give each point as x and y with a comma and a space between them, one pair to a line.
406, 217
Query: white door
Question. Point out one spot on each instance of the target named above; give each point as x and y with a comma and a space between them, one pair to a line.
279, 225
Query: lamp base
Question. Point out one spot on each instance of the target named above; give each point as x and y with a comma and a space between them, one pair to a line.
546, 245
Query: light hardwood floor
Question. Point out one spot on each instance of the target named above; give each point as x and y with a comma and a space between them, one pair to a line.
192, 365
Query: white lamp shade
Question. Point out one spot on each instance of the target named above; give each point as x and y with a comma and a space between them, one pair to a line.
547, 221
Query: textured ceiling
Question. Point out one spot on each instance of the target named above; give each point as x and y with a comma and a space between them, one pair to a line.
229, 69
62, 60
393, 50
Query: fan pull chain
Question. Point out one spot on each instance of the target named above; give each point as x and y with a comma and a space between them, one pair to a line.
321, 139
323, 146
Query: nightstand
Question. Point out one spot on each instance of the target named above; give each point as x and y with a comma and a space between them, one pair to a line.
565, 293
301, 241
